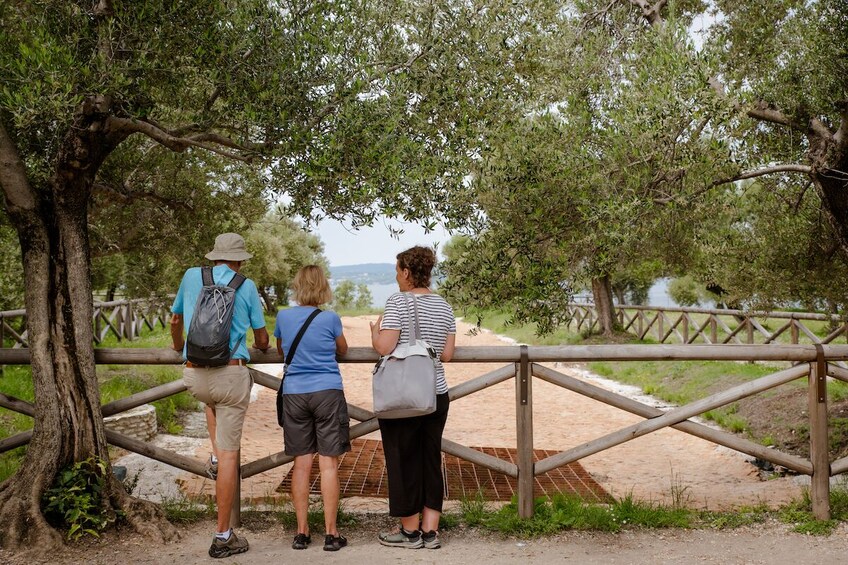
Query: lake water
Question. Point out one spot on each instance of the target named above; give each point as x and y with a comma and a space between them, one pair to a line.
380, 293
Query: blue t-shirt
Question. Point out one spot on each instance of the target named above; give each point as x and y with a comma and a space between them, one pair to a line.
246, 314
314, 367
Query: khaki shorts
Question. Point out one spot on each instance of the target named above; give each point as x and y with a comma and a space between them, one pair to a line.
227, 391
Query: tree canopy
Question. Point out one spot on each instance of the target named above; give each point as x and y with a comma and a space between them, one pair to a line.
630, 157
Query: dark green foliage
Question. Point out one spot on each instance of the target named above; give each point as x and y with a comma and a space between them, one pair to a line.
75, 499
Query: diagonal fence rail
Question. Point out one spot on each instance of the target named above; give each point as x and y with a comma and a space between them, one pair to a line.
522, 364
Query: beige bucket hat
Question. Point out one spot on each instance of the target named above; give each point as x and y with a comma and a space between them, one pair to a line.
229, 247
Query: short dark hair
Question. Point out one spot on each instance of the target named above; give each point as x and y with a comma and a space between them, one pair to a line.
420, 262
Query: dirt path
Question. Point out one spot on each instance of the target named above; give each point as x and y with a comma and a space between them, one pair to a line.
770, 544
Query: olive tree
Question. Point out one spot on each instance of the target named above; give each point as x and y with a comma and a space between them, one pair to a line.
347, 108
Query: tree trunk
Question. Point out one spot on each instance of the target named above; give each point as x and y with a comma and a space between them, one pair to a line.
52, 227
270, 303
604, 306
831, 182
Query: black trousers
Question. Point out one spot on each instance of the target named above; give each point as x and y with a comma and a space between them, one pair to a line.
413, 449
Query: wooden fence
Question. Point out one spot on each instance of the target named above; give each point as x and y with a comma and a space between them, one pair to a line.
124, 319
712, 326
521, 364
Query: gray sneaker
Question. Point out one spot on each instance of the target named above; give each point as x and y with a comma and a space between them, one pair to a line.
402, 538
212, 469
231, 546
431, 539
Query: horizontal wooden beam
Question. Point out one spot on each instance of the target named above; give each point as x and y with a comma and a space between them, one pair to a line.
17, 405
839, 466
17, 440
144, 397
149, 450
501, 354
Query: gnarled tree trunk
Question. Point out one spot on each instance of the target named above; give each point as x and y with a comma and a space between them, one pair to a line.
830, 178
51, 221
604, 306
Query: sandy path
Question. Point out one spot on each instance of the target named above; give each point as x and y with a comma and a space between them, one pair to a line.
660, 466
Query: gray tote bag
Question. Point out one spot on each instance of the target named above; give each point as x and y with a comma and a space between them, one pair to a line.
404, 383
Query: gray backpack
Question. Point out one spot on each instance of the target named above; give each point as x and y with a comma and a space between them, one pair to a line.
208, 339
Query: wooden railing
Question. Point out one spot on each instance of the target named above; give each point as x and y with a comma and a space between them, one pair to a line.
814, 363
712, 326
124, 319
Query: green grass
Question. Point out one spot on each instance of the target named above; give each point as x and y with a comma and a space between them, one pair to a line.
315, 517
499, 322
181, 510
559, 513
562, 513
16, 382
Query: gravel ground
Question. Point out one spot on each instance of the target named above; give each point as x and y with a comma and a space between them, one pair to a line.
770, 543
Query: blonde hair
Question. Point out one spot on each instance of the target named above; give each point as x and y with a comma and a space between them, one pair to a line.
311, 287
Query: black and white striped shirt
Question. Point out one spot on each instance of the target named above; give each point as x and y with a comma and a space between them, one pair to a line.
436, 320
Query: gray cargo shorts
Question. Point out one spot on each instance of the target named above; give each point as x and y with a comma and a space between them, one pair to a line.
316, 422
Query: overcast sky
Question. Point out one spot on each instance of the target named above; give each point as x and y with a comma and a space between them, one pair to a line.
344, 246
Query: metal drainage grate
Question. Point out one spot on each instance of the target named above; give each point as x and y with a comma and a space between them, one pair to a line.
362, 472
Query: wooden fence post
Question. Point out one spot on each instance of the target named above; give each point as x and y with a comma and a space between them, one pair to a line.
660, 326
524, 429
97, 328
794, 331
817, 404
713, 329
129, 322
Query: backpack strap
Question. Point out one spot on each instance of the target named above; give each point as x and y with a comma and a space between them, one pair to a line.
236, 281
206, 274
299, 335
209, 280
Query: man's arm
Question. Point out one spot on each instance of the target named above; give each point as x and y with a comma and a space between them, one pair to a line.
261, 340
177, 339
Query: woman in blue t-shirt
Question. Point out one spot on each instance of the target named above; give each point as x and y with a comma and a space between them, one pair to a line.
315, 418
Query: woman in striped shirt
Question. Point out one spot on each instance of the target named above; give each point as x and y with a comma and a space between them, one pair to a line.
413, 445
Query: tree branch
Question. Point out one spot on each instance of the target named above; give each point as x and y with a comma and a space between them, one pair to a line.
180, 144
790, 168
651, 13
102, 12
130, 195
341, 96
13, 178
761, 111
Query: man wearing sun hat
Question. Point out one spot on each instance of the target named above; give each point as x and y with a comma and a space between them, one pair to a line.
225, 390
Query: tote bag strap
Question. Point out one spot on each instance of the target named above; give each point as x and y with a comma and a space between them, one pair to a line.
414, 323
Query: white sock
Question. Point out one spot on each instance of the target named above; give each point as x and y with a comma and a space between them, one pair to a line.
224, 536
